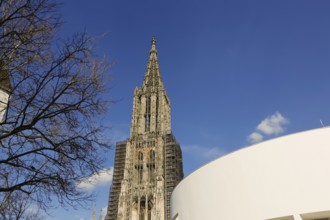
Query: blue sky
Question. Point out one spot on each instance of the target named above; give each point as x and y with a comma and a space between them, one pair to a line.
236, 72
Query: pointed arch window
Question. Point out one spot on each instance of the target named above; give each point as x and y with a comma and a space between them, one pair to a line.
150, 205
152, 166
142, 208
140, 167
140, 157
147, 114
157, 106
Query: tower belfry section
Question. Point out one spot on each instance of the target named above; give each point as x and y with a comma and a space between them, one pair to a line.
148, 165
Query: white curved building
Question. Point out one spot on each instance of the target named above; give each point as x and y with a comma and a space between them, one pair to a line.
287, 178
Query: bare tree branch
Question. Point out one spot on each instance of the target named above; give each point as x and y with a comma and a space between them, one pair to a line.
49, 138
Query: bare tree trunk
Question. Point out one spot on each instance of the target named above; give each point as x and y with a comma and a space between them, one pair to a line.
49, 137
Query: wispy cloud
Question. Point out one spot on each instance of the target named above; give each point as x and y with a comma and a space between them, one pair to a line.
255, 137
198, 155
97, 179
272, 125
104, 211
207, 153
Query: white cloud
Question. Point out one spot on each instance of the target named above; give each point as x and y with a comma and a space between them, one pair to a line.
272, 125
255, 137
97, 179
104, 211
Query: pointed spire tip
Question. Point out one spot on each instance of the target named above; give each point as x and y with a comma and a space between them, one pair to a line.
153, 46
153, 40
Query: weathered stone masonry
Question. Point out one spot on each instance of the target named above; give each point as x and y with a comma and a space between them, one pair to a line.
148, 165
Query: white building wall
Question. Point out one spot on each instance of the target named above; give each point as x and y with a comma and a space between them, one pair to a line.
3, 103
286, 176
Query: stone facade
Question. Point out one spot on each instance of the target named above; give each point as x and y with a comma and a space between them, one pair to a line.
148, 165
5, 89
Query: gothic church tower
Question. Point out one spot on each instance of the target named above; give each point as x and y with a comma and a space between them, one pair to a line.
148, 165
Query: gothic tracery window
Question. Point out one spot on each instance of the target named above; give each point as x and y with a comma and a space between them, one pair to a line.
140, 157
140, 167
152, 166
150, 205
147, 114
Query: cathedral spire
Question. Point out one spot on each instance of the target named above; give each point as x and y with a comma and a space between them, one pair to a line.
148, 165
153, 46
152, 79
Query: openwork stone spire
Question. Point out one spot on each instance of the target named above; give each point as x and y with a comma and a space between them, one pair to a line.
152, 79
148, 165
